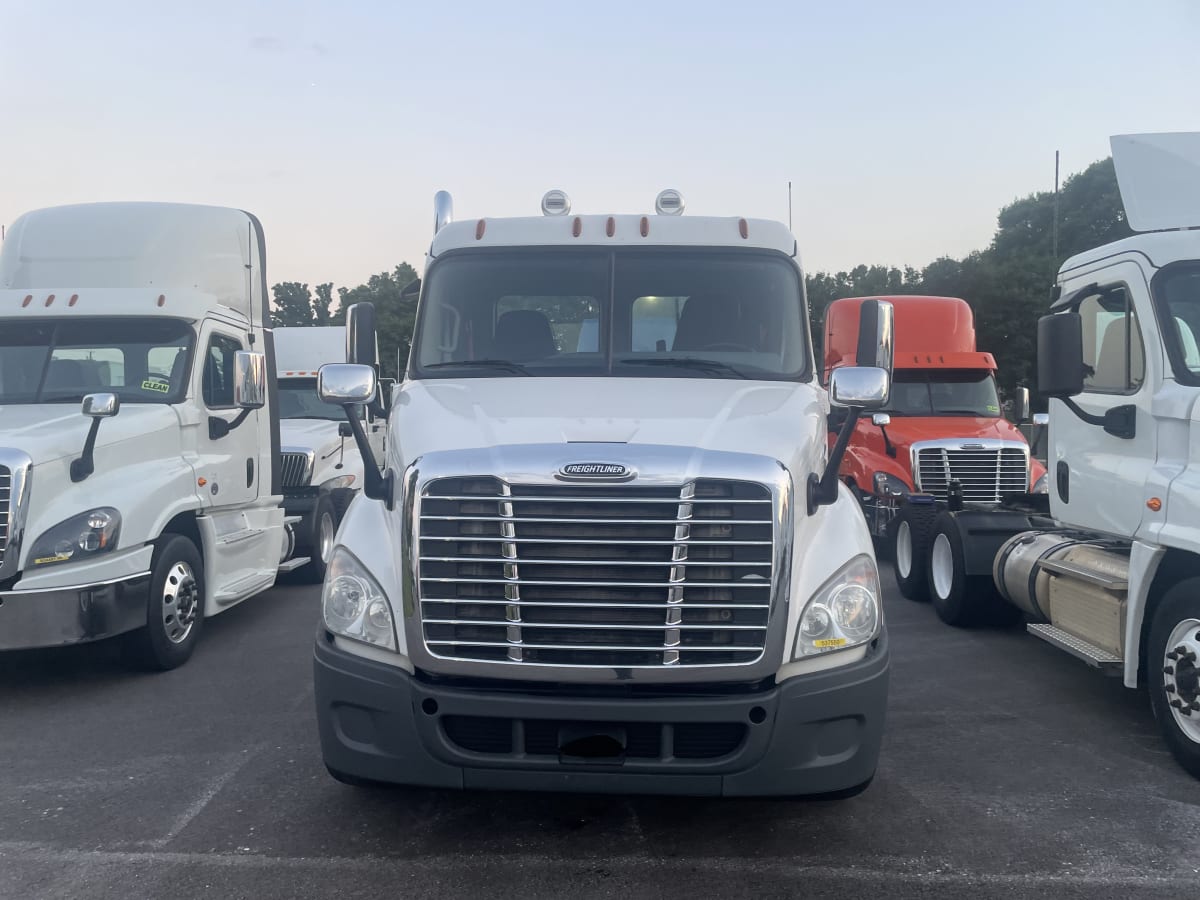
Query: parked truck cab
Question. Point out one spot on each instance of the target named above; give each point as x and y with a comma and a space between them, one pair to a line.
593, 563
942, 437
320, 467
139, 489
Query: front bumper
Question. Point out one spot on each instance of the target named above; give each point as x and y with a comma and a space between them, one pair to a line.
72, 615
810, 735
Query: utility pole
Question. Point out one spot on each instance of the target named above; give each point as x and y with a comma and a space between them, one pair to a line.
1055, 239
789, 206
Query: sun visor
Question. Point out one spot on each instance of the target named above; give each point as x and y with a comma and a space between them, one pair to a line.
939, 360
1159, 178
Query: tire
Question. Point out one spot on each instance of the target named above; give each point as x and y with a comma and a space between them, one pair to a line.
1176, 624
909, 535
959, 599
319, 542
174, 609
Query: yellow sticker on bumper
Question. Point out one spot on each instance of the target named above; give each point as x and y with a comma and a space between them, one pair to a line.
830, 642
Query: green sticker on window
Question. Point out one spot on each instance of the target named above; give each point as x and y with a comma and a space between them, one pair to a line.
161, 387
992, 407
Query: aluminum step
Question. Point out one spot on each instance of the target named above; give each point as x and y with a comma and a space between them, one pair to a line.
294, 563
1091, 654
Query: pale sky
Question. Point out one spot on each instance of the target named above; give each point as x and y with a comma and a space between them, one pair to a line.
904, 126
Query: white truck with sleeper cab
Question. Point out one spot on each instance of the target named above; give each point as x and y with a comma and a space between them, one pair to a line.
597, 562
321, 468
1109, 569
159, 505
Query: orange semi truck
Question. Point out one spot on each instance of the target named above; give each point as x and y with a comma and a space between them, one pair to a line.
941, 441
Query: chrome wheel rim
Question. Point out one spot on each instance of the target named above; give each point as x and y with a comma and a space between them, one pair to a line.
904, 549
180, 602
1181, 677
325, 541
941, 564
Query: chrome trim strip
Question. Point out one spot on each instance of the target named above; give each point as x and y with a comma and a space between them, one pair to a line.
67, 588
20, 466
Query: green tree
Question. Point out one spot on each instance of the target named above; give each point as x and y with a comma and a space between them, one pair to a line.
323, 311
293, 304
394, 315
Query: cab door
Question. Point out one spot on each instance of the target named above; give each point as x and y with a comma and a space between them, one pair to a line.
1100, 476
228, 456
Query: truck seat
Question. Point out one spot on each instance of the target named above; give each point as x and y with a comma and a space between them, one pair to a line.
523, 335
709, 320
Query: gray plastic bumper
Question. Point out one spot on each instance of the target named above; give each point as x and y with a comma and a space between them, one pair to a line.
810, 735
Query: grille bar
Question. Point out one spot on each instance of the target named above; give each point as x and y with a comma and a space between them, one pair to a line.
5, 506
985, 474
596, 575
294, 469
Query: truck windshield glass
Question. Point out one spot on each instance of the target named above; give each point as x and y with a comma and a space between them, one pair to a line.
659, 314
943, 392
49, 361
298, 400
1178, 294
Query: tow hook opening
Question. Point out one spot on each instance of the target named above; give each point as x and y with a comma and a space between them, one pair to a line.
592, 743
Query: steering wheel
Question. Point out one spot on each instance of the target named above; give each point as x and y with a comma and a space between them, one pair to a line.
728, 346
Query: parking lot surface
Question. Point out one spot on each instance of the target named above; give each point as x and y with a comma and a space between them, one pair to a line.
1008, 770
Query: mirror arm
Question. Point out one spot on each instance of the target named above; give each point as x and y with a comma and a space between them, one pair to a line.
888, 446
84, 466
218, 427
823, 489
375, 485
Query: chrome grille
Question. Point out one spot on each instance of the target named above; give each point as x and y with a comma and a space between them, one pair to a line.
294, 470
986, 473
612, 575
5, 508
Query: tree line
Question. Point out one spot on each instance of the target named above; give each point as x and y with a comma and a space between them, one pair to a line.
1007, 283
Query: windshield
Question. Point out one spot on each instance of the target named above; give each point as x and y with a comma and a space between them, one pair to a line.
1177, 289
298, 400
49, 361
663, 313
943, 392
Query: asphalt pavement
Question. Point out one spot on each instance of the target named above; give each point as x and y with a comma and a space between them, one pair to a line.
1009, 770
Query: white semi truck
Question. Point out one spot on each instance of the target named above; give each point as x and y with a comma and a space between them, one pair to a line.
593, 562
1107, 567
321, 468
139, 443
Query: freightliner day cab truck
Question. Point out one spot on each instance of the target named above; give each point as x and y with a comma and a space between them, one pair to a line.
941, 431
593, 567
1112, 573
321, 469
139, 444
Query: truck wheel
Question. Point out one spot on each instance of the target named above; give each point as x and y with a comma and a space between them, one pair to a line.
174, 610
319, 545
910, 535
1173, 667
960, 599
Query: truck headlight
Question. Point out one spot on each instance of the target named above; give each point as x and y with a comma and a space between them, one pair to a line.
1042, 486
843, 613
352, 603
888, 485
338, 481
78, 538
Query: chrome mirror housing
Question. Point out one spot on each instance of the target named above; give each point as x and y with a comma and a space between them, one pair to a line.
249, 379
101, 406
860, 387
343, 383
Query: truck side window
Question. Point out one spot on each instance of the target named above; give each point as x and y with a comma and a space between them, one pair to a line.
1112, 344
218, 371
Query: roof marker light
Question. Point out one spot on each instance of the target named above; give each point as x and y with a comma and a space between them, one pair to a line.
480, 228
49, 299
743, 229
577, 227
74, 299
669, 203
162, 299
645, 226
555, 203
28, 299
610, 227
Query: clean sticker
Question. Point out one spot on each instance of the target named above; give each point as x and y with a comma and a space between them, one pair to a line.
830, 642
161, 387
992, 407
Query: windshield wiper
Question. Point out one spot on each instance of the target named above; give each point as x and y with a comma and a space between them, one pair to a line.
710, 366
505, 365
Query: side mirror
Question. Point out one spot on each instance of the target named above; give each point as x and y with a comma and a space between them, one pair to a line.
876, 338
1022, 404
881, 419
1060, 355
1041, 420
249, 379
346, 383
859, 387
360, 335
101, 406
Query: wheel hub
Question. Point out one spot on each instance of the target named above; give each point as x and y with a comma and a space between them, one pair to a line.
1181, 676
180, 602
904, 549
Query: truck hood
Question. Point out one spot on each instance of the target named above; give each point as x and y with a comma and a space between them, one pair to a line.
310, 433
782, 420
50, 431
